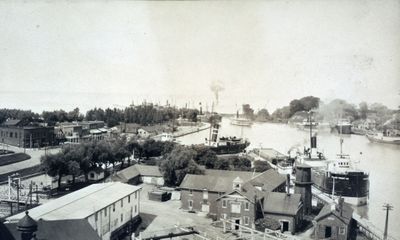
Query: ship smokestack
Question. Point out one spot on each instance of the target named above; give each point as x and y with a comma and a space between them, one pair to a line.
287, 184
314, 142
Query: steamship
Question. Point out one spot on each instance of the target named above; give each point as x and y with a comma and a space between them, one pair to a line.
225, 145
241, 121
336, 177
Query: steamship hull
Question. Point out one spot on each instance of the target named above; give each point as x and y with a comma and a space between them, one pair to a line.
230, 148
352, 186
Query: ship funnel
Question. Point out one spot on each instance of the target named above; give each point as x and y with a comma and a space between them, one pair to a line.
314, 142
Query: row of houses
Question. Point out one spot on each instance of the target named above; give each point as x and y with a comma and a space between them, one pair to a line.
35, 135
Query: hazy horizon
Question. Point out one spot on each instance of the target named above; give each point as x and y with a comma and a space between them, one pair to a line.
61, 55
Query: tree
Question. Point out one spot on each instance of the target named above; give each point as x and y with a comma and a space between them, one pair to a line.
208, 159
241, 163
261, 166
248, 111
55, 166
222, 164
363, 110
263, 115
177, 164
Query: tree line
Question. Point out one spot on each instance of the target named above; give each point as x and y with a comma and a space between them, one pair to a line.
143, 114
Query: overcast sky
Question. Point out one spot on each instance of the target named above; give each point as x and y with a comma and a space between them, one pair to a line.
94, 53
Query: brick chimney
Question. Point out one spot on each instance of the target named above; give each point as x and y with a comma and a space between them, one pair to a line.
287, 184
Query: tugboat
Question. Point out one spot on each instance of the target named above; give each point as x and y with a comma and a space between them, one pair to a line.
225, 145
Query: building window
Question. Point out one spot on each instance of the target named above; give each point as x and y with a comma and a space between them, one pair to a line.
190, 204
91, 175
235, 207
224, 203
129, 198
247, 206
342, 230
95, 217
105, 212
122, 202
190, 192
113, 207
11, 134
122, 217
246, 220
135, 195
205, 194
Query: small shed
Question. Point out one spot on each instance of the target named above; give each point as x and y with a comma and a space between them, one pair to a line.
335, 221
285, 208
96, 174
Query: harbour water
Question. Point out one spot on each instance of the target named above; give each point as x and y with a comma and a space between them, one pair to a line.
380, 160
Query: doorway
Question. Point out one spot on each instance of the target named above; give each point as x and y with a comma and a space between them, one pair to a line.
237, 222
285, 226
328, 232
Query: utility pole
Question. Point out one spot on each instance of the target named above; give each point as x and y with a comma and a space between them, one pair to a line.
387, 207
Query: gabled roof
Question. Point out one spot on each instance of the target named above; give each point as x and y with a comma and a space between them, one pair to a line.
282, 203
61, 229
146, 170
126, 174
136, 170
221, 180
268, 180
345, 216
12, 122
247, 191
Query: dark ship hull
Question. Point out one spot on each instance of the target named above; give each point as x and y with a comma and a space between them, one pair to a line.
230, 147
352, 186
343, 129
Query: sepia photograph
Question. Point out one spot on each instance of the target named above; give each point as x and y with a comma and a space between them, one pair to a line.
199, 120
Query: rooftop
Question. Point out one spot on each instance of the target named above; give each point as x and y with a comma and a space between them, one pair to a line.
60, 229
221, 180
80, 204
345, 214
281, 203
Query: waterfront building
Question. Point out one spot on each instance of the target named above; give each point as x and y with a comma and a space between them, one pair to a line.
139, 173
77, 132
26, 134
285, 208
110, 209
200, 192
335, 221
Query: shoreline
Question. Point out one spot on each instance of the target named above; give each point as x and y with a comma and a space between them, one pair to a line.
191, 130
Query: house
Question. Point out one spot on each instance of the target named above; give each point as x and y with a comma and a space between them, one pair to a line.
27, 135
140, 174
241, 205
285, 208
96, 174
110, 209
77, 132
335, 221
200, 192
151, 131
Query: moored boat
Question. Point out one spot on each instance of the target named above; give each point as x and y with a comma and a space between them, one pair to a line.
225, 145
343, 126
241, 121
381, 138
